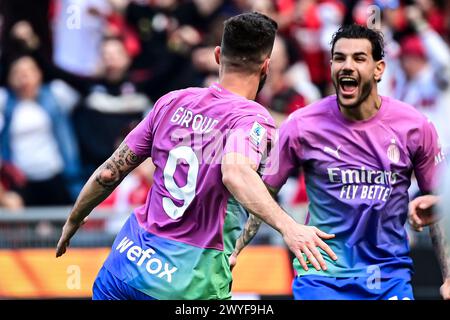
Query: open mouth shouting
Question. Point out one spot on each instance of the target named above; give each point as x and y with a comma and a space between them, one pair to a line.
348, 86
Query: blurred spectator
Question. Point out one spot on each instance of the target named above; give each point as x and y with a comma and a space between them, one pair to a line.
202, 56
118, 27
312, 26
282, 97
108, 104
279, 95
281, 11
36, 13
422, 75
153, 46
8, 199
233, 7
167, 31
37, 136
78, 30
434, 13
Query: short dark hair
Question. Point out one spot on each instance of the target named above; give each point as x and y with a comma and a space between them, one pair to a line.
247, 40
355, 31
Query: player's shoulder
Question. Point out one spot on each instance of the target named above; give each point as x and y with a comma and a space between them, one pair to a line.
183, 92
255, 108
404, 112
315, 110
244, 109
177, 95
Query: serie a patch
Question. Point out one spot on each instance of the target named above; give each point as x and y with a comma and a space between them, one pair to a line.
257, 133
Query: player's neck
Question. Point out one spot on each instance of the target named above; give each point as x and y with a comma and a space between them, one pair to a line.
364, 111
240, 84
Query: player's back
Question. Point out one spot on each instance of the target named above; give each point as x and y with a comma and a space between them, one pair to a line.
188, 199
187, 220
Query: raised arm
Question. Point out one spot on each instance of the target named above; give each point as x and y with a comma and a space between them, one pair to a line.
99, 186
241, 179
435, 46
24, 33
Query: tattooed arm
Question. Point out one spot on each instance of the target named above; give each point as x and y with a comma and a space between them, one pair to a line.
441, 248
421, 213
99, 186
251, 227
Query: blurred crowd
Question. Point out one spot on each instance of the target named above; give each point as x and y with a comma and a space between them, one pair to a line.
77, 75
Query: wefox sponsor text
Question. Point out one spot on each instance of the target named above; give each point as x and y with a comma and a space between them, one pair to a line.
141, 257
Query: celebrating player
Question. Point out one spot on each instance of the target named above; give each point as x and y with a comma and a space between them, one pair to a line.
358, 151
177, 245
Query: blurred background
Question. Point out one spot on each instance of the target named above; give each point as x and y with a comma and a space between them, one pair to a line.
77, 75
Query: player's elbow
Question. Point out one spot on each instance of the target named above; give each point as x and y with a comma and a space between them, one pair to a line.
226, 175
236, 170
108, 177
232, 176
227, 180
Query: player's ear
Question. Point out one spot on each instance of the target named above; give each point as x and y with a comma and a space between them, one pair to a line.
379, 70
217, 54
265, 66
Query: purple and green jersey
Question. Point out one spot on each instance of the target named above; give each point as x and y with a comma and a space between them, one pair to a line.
357, 178
177, 245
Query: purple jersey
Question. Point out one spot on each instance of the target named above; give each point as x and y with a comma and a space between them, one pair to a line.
186, 135
177, 245
357, 178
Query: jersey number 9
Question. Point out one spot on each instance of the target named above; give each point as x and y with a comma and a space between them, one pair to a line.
186, 193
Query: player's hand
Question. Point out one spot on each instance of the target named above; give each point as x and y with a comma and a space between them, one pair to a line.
421, 212
303, 239
232, 259
69, 229
445, 290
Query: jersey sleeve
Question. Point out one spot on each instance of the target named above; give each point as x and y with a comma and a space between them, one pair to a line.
285, 155
251, 136
140, 139
428, 158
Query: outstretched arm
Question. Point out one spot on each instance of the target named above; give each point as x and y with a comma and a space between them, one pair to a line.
23, 32
99, 186
441, 248
241, 179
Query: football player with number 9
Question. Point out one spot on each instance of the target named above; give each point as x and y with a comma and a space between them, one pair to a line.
208, 146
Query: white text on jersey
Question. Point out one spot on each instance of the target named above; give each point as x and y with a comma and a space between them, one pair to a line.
153, 265
363, 183
198, 122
